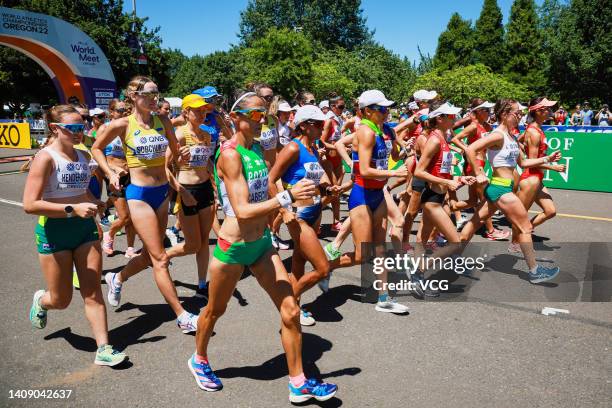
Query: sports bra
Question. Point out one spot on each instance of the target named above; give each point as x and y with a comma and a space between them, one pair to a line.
337, 127
442, 163
69, 178
145, 147
507, 156
380, 157
115, 149
268, 138
306, 167
200, 154
254, 170
480, 132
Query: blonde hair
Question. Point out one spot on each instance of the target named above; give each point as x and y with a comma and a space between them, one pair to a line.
136, 84
55, 115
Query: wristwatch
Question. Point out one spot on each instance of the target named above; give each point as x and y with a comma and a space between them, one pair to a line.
69, 210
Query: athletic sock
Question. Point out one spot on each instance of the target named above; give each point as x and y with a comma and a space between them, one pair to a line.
200, 359
116, 281
298, 380
202, 284
383, 297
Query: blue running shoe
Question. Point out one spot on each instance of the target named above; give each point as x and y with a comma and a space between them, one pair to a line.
204, 375
312, 388
543, 274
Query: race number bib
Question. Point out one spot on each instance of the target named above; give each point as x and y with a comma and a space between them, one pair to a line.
199, 155
314, 172
149, 147
447, 160
268, 139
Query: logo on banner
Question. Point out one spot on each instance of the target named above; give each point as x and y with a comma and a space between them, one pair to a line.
15, 135
87, 53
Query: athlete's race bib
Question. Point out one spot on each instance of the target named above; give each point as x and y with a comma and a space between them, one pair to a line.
199, 155
150, 147
74, 176
447, 160
268, 139
314, 172
115, 148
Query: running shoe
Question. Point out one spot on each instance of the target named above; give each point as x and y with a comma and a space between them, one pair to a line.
431, 246
407, 247
278, 243
391, 306
331, 252
497, 235
306, 318
106, 355
173, 235
187, 322
105, 221
323, 284
461, 222
38, 315
130, 252
312, 388
114, 290
75, 279
440, 240
204, 375
337, 226
543, 274
107, 244
514, 248
343, 199
416, 287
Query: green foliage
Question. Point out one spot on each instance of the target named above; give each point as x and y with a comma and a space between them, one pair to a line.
463, 83
456, 44
328, 78
525, 63
328, 23
489, 36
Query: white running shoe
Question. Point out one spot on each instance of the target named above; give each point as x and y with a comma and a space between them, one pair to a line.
391, 306
278, 243
306, 318
187, 322
114, 290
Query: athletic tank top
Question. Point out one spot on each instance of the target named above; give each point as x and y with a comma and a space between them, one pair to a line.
145, 147
480, 132
268, 139
254, 170
604, 119
380, 159
337, 123
307, 167
115, 149
419, 128
284, 134
68, 179
507, 156
200, 154
441, 165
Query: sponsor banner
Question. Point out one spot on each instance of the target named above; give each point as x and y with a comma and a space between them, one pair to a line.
15, 135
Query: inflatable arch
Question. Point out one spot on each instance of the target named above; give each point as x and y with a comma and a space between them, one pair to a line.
75, 63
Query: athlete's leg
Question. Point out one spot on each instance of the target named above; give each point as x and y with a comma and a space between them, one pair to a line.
545, 201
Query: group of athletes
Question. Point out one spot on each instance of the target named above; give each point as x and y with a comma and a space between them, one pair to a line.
265, 163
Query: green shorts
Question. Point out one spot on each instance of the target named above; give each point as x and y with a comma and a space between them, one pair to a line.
347, 168
243, 253
64, 234
497, 187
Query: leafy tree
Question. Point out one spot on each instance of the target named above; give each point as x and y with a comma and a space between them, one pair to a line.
525, 63
329, 23
456, 44
464, 83
328, 78
489, 36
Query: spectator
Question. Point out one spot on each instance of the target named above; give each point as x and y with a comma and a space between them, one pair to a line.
587, 114
576, 118
560, 116
603, 116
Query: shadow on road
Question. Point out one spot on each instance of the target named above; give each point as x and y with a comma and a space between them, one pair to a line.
324, 307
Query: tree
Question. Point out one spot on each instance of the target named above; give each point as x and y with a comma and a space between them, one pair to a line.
283, 59
329, 23
464, 83
328, 78
456, 44
489, 36
581, 52
525, 63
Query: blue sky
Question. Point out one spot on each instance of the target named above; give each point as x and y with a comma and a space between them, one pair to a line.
202, 27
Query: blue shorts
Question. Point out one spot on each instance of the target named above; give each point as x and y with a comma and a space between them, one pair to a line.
94, 187
364, 196
154, 196
309, 214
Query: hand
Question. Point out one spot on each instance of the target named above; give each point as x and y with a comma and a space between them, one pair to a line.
554, 157
120, 171
452, 185
401, 172
288, 217
559, 167
469, 180
85, 210
184, 154
321, 151
113, 182
303, 190
482, 179
101, 206
410, 143
334, 190
187, 199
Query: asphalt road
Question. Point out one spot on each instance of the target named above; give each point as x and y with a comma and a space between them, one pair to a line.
482, 353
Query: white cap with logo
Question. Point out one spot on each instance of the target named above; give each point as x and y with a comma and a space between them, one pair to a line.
324, 104
308, 112
446, 109
284, 107
424, 95
373, 97
484, 105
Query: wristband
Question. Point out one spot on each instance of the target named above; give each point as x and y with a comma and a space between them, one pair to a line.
284, 198
291, 196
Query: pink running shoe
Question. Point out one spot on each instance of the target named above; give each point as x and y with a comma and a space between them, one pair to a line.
336, 227
497, 235
130, 252
107, 244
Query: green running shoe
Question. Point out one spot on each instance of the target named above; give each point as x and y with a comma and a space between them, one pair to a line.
108, 356
75, 280
331, 252
38, 315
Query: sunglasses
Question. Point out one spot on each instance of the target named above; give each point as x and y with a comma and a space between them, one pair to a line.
310, 102
381, 109
317, 123
71, 127
253, 114
85, 117
148, 94
268, 98
341, 107
217, 99
120, 110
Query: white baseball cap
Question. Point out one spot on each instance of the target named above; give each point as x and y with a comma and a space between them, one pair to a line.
373, 97
324, 104
484, 105
413, 106
284, 107
446, 109
424, 95
96, 111
521, 106
308, 112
